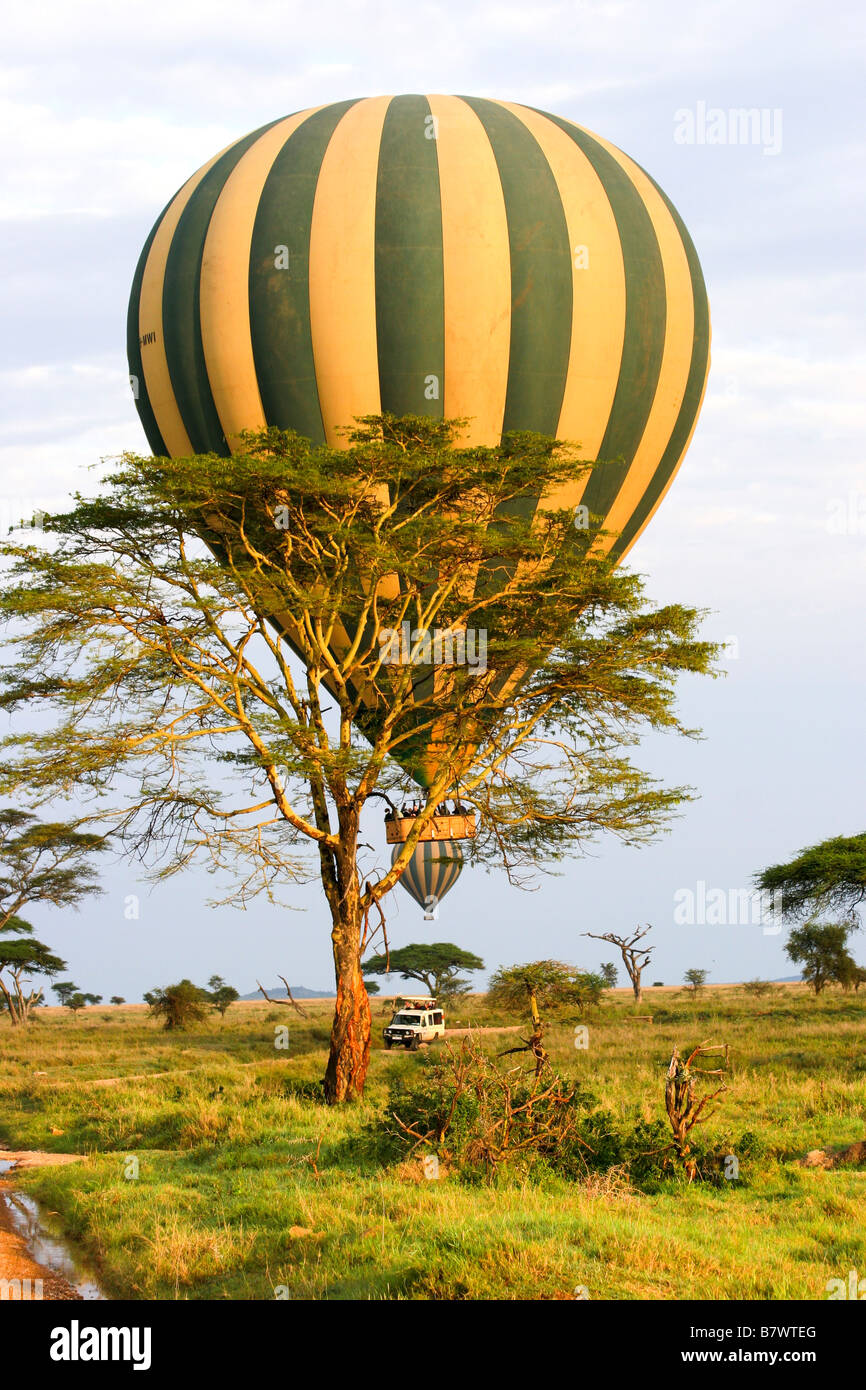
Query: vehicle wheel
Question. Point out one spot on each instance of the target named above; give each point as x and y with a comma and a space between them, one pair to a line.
388, 1046
414, 1045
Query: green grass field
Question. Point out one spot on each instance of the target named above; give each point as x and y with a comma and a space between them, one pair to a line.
249, 1188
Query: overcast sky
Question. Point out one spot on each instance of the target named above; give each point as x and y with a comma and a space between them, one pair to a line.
108, 108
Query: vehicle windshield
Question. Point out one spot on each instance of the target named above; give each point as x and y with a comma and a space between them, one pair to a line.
407, 1018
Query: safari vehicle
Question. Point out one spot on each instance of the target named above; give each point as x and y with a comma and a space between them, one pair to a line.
414, 1022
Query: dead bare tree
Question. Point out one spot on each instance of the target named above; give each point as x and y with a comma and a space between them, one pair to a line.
289, 1001
634, 958
518, 1113
684, 1109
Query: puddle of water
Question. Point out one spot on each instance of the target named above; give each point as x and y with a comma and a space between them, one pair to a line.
46, 1247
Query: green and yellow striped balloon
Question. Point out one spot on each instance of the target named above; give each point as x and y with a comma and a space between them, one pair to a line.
433, 869
445, 256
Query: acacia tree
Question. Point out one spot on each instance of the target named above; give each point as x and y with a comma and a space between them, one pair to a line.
695, 980
162, 616
542, 985
820, 949
635, 958
22, 957
71, 997
828, 877
435, 966
43, 862
221, 995
178, 1005
40, 862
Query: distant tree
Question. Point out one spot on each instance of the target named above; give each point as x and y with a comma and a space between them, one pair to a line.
851, 976
829, 877
658, 984
435, 966
117, 999
222, 996
22, 957
820, 949
609, 974
178, 1005
542, 985
40, 862
372, 987
635, 958
71, 997
758, 988
695, 980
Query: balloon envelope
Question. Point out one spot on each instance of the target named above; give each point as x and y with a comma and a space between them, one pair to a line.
432, 871
444, 256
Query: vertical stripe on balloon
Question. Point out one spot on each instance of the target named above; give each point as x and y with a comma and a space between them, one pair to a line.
226, 329
692, 398
182, 288
279, 278
155, 316
410, 301
541, 281
643, 344
343, 270
676, 357
476, 265
138, 382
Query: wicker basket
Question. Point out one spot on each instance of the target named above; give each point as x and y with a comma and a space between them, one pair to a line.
439, 828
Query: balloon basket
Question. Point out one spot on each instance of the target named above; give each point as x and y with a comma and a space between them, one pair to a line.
450, 827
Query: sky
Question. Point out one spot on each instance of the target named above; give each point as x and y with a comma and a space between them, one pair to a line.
107, 109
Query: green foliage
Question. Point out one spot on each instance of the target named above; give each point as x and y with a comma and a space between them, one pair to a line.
143, 647
178, 1005
73, 998
828, 877
820, 950
548, 986
435, 966
226, 1174
221, 995
44, 862
40, 862
482, 1119
609, 974
21, 957
695, 980
758, 988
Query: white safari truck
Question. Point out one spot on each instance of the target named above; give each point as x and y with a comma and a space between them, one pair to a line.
416, 1021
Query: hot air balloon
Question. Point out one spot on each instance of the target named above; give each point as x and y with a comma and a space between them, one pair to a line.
432, 871
436, 255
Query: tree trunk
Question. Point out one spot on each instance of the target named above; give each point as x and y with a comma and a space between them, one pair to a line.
638, 992
351, 1029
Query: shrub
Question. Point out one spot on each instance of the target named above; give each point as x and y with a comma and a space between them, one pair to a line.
480, 1118
178, 1005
